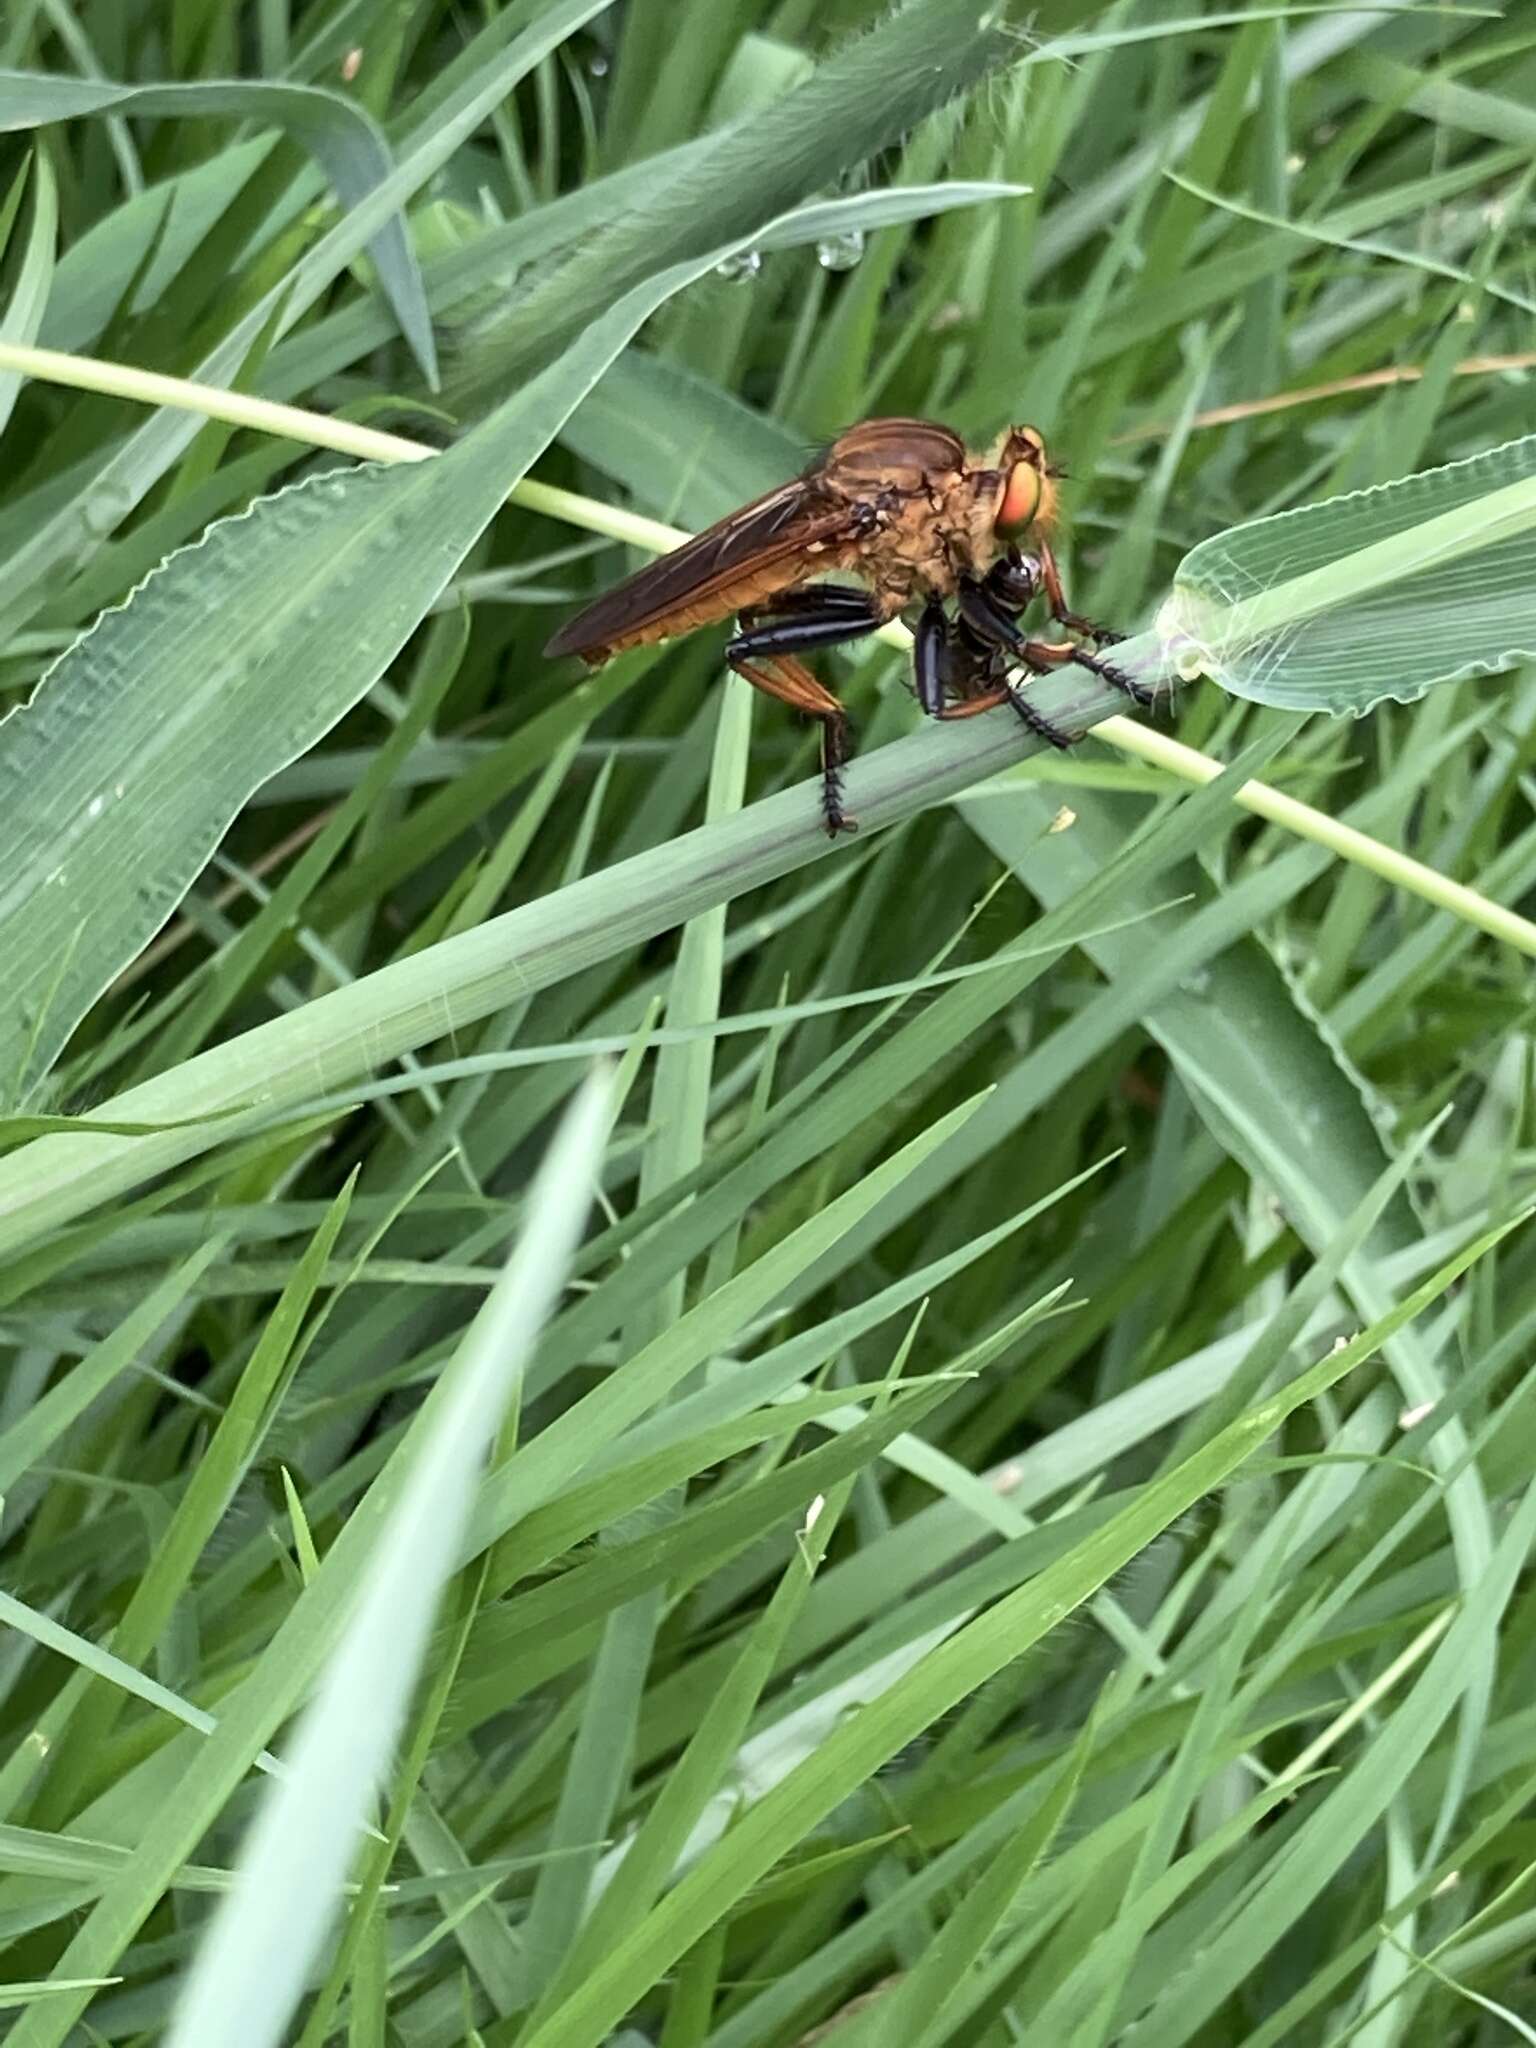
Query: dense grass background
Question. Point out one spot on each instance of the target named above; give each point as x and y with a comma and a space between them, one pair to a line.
1014, 1521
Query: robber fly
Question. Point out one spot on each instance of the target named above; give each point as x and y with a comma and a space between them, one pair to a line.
901, 505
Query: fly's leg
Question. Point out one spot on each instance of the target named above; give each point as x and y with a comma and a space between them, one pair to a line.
1065, 616
783, 677
1107, 672
788, 680
932, 658
956, 674
846, 599
988, 700
1009, 693
1042, 727
826, 615
794, 620
989, 620
1044, 655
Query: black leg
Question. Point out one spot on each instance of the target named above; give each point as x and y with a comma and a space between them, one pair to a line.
987, 624
821, 626
823, 615
932, 658
1106, 636
1107, 672
781, 676
810, 597
987, 620
834, 757
1038, 723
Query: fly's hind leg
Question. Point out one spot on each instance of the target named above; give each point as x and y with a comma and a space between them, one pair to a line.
781, 676
848, 601
825, 615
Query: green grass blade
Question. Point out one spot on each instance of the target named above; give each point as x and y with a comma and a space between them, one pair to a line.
252, 1968
945, 1678
344, 139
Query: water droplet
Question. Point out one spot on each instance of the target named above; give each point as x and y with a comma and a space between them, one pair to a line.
841, 252
597, 64
95, 807
746, 263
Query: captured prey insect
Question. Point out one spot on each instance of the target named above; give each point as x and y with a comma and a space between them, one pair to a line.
904, 507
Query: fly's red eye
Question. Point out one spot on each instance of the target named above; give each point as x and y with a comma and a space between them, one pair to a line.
1021, 499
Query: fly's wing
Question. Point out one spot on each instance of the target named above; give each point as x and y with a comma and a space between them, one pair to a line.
700, 580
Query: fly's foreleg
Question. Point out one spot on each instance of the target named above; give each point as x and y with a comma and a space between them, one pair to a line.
1062, 613
988, 619
1044, 655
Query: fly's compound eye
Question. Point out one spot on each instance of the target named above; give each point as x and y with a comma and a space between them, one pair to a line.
1020, 500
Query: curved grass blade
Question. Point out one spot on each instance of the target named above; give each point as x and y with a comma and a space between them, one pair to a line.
414, 1001
342, 137
23, 316
388, 1568
148, 735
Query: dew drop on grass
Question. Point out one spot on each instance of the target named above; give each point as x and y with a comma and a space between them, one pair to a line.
841, 252
745, 264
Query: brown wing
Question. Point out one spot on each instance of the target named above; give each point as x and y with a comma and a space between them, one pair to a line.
713, 574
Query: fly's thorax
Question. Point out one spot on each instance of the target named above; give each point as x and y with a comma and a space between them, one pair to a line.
891, 458
923, 547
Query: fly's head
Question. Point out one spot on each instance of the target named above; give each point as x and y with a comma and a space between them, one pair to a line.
1026, 495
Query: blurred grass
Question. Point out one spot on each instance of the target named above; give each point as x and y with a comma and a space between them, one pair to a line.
1015, 1528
